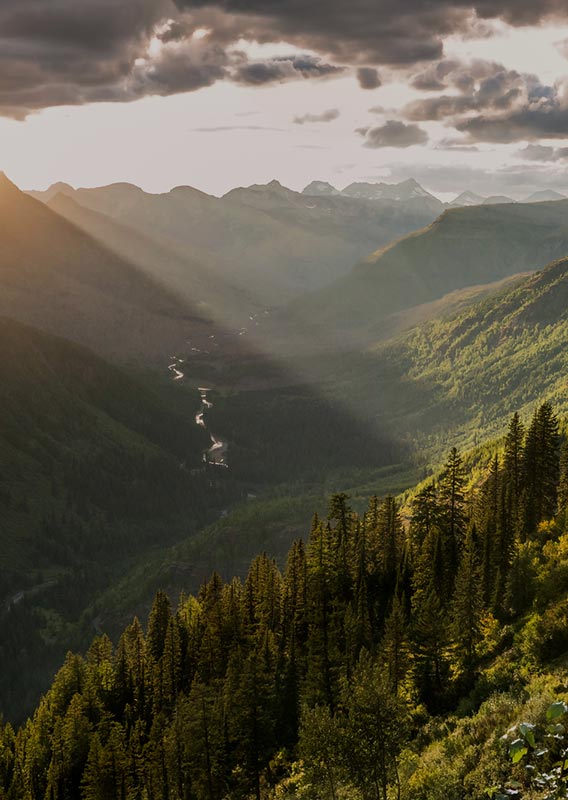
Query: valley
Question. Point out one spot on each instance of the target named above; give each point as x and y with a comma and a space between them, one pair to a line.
283, 400
167, 416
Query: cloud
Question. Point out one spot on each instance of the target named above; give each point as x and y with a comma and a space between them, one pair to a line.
219, 128
325, 116
456, 146
368, 78
393, 134
491, 103
374, 32
538, 152
55, 52
434, 77
284, 68
526, 124
62, 52
481, 86
516, 181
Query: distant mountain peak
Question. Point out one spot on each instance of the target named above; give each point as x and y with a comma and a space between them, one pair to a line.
408, 189
321, 189
61, 186
185, 189
6, 184
544, 196
468, 198
498, 200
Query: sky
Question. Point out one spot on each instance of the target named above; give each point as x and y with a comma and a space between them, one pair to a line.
461, 95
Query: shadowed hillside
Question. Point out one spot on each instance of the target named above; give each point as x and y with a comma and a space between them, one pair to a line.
54, 276
268, 241
464, 247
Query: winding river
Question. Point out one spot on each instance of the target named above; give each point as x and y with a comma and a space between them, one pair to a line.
217, 453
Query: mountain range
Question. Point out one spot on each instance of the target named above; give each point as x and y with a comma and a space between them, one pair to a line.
465, 247
266, 242
58, 278
459, 376
410, 189
439, 334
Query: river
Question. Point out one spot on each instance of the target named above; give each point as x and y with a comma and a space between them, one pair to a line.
217, 453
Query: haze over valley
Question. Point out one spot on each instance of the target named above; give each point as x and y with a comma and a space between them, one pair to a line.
283, 395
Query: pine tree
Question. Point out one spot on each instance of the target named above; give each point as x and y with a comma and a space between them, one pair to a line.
320, 744
494, 546
8, 779
105, 775
430, 640
201, 718
340, 511
395, 646
424, 508
167, 671
563, 481
452, 516
513, 462
158, 625
374, 730
466, 609
251, 710
540, 468
322, 645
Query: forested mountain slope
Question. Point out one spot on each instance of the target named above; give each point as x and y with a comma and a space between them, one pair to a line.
95, 470
464, 247
353, 672
466, 373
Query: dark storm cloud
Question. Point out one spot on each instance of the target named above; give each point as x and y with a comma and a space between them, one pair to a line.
368, 78
492, 103
325, 116
372, 32
59, 52
277, 70
433, 78
55, 52
393, 134
482, 86
527, 124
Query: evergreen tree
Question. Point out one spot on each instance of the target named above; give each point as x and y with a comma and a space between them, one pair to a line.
563, 481
158, 625
452, 515
201, 718
424, 516
319, 746
430, 637
322, 643
494, 546
374, 730
540, 468
513, 462
466, 609
395, 647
